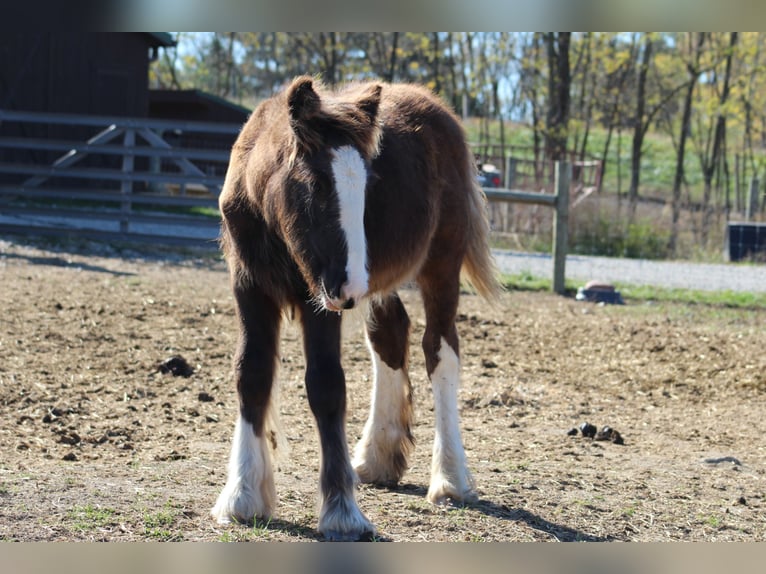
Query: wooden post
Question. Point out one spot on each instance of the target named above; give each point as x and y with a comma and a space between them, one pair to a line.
752, 200
126, 187
737, 187
510, 172
563, 174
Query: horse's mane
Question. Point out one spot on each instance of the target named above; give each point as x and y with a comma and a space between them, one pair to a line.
317, 114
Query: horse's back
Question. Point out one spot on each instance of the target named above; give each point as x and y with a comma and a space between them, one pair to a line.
422, 183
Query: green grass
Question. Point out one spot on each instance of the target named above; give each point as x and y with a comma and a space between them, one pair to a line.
157, 525
525, 281
88, 518
730, 299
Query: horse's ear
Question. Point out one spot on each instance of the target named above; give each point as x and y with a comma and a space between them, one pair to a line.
370, 101
302, 100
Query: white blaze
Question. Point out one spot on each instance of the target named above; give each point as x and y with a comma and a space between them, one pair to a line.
350, 182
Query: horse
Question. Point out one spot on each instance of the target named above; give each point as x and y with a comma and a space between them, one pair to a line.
335, 198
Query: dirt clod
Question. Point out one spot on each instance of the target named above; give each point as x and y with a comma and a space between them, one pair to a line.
176, 366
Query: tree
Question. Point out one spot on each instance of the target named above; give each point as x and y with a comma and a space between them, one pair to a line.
559, 85
616, 63
640, 126
711, 148
695, 43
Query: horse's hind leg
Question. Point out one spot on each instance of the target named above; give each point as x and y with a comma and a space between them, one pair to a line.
339, 517
440, 286
381, 454
249, 489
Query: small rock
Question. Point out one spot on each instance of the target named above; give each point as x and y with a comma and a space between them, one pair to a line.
572, 432
588, 430
176, 366
205, 397
70, 456
488, 364
742, 500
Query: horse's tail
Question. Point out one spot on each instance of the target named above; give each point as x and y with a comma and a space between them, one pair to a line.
478, 264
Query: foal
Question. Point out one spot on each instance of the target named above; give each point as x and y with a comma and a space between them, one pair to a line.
331, 200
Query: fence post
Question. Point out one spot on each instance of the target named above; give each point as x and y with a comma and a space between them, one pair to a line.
510, 172
752, 200
126, 187
563, 173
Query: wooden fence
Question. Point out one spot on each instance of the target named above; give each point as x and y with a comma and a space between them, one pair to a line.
129, 179
559, 201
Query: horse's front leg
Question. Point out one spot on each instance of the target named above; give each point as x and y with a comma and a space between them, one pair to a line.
381, 455
249, 489
339, 517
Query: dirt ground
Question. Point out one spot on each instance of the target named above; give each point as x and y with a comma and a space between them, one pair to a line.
97, 444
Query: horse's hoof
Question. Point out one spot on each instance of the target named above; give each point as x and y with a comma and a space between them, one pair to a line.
447, 496
337, 536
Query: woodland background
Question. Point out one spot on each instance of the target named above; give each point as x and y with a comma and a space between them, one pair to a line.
678, 119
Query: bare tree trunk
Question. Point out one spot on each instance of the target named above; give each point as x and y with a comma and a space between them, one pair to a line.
694, 72
436, 62
230, 66
453, 75
639, 130
718, 144
559, 83
392, 61
466, 52
590, 105
499, 116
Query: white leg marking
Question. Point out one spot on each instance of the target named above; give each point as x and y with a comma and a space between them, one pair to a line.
350, 183
450, 477
381, 454
249, 490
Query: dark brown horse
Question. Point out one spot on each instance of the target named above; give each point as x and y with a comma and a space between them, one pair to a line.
334, 199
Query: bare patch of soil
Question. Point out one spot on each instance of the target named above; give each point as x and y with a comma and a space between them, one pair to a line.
98, 443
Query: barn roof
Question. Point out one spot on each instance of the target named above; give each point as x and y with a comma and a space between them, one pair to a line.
163, 39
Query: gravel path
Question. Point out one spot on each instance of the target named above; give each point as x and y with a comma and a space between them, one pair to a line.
672, 274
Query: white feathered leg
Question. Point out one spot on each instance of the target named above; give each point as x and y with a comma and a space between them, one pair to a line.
450, 478
381, 454
249, 490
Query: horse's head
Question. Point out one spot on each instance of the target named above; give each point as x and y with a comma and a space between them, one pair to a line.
323, 189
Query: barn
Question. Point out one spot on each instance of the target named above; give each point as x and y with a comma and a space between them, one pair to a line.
99, 73
79, 123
